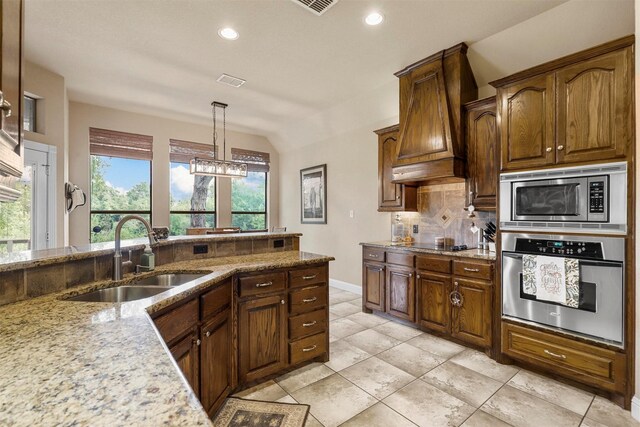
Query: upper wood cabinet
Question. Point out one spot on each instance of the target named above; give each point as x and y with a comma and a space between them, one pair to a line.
430, 142
482, 148
392, 197
575, 109
11, 149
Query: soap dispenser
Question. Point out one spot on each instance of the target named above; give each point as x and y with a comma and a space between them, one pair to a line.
148, 259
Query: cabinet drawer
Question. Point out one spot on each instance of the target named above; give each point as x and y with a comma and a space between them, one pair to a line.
212, 301
261, 283
178, 321
587, 363
432, 263
307, 276
400, 259
307, 324
307, 299
472, 269
374, 254
307, 348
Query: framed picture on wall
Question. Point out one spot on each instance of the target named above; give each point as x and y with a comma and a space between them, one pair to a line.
313, 195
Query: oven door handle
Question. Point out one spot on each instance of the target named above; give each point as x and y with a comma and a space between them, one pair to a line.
582, 262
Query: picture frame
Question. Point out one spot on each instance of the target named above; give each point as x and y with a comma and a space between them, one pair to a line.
313, 195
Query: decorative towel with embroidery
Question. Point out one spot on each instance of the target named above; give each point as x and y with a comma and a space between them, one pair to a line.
553, 279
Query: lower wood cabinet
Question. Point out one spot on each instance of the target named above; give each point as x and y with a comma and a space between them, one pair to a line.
216, 360
373, 280
186, 354
471, 316
400, 293
435, 310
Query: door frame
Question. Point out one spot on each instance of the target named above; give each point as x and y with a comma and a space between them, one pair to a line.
51, 153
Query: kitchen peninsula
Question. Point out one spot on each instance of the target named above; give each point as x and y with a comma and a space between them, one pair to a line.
67, 362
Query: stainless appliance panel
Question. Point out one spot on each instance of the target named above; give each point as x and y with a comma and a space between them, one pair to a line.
604, 324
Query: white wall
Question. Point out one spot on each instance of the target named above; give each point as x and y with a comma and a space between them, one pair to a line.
84, 116
51, 130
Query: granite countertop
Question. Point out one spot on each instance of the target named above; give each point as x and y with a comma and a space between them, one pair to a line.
70, 363
51, 256
469, 253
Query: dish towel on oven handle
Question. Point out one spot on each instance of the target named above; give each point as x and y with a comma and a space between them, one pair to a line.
553, 279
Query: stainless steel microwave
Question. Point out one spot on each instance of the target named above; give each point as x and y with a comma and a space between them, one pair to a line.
582, 199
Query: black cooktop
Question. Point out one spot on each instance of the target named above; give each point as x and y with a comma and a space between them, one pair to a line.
433, 247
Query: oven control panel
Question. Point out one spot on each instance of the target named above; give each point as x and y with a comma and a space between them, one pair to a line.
571, 248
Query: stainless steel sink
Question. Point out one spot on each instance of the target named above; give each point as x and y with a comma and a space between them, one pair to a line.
174, 279
120, 294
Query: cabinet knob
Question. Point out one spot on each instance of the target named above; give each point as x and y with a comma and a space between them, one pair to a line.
549, 149
560, 147
282, 301
198, 342
208, 334
417, 276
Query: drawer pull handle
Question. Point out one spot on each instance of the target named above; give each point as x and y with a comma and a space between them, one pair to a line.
307, 325
558, 356
313, 347
473, 270
263, 285
309, 277
306, 300
373, 256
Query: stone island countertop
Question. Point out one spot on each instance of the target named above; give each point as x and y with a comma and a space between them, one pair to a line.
469, 253
68, 363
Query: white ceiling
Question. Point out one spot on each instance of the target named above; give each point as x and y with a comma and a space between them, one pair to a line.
162, 57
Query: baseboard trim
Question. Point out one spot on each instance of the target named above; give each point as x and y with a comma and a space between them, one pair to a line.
635, 407
345, 286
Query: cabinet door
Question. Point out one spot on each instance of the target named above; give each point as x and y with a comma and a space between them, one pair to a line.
526, 115
595, 108
481, 155
433, 299
216, 357
262, 337
10, 86
373, 286
400, 293
185, 352
392, 197
471, 315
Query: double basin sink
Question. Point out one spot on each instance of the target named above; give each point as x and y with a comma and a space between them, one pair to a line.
139, 289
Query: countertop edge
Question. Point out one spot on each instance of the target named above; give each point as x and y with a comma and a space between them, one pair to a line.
469, 253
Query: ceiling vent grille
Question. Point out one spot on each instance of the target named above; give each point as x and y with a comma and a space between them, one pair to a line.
317, 7
231, 81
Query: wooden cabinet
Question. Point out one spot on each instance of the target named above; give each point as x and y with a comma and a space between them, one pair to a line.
11, 70
400, 293
216, 360
186, 354
392, 197
572, 110
373, 285
527, 110
482, 149
262, 330
430, 144
471, 313
433, 297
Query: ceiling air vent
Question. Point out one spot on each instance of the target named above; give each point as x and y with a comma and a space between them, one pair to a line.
231, 81
318, 7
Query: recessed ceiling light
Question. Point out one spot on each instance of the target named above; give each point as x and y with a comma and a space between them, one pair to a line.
374, 18
228, 33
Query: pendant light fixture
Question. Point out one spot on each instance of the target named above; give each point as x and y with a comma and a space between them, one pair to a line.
214, 166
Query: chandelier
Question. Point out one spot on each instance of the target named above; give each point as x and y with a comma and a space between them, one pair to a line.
214, 166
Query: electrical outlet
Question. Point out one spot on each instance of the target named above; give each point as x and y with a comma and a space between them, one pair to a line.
415, 229
200, 249
351, 213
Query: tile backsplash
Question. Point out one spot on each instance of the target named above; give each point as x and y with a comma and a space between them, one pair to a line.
441, 214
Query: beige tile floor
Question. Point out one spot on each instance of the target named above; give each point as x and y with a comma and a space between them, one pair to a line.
385, 374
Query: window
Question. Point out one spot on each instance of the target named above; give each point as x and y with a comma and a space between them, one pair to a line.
193, 197
120, 182
249, 195
29, 119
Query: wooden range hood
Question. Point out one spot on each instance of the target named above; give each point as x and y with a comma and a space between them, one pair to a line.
431, 140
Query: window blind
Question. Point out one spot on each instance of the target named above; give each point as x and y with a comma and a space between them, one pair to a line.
104, 142
183, 151
257, 161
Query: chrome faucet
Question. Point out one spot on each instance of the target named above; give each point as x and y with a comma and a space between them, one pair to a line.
117, 257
